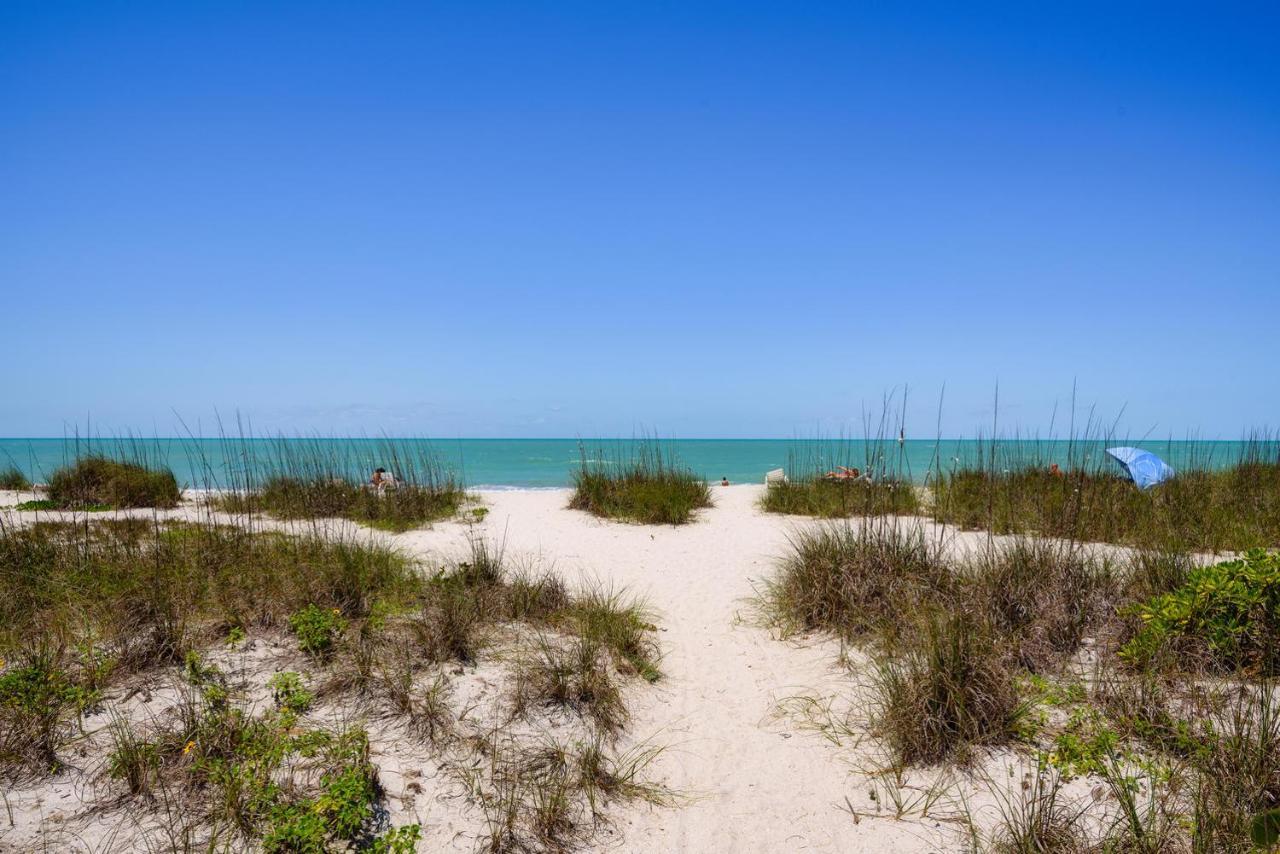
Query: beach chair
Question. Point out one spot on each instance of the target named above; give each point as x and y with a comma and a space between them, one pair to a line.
775, 476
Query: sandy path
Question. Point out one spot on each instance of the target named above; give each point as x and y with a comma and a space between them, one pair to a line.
755, 783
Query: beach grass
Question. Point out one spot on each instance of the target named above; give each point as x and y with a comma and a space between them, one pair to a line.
829, 498
982, 653
855, 580
13, 479
317, 478
833, 479
642, 483
948, 693
1231, 508
100, 481
92, 605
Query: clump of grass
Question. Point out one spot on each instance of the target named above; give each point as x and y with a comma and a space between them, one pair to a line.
1232, 508
647, 486
840, 498
856, 579
948, 691
617, 623
1040, 595
147, 592
1037, 818
574, 676
401, 508
13, 479
315, 479
548, 797
1226, 616
101, 481
1239, 773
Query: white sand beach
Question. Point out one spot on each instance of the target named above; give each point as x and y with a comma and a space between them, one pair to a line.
734, 711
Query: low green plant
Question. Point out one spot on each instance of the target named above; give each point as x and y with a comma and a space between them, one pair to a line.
38, 504
288, 692
1226, 615
38, 702
317, 628
97, 480
1084, 746
132, 759
397, 840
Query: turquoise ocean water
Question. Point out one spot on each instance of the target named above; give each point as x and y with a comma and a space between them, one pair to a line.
531, 463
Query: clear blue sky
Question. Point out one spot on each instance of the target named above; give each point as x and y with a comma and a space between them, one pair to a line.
559, 219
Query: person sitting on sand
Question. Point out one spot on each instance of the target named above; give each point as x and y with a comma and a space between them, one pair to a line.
382, 480
724, 481
1055, 471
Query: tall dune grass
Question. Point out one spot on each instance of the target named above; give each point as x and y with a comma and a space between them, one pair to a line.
643, 482
313, 478
1205, 508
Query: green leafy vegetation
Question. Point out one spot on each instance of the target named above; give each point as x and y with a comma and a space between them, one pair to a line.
317, 628
44, 504
289, 693
648, 485
38, 702
1225, 616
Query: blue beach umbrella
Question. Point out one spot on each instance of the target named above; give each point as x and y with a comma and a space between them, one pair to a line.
1144, 467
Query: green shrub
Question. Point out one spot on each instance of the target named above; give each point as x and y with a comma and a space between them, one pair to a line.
289, 693
44, 504
398, 840
1227, 615
116, 483
317, 628
295, 829
13, 478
